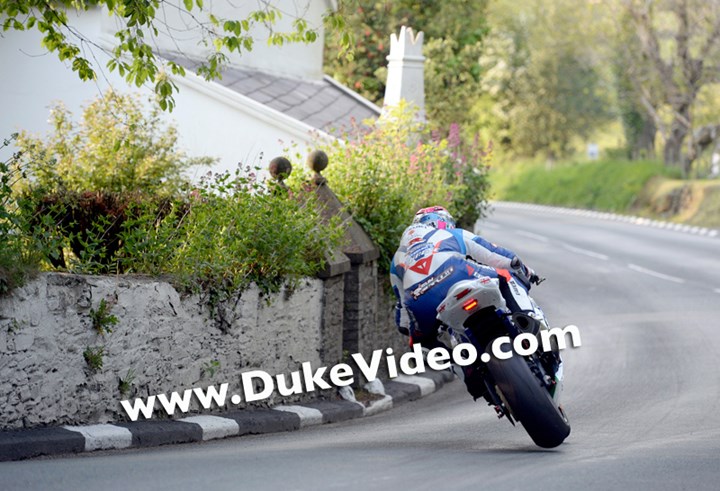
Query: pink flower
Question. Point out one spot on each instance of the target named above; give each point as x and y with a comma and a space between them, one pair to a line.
454, 135
413, 164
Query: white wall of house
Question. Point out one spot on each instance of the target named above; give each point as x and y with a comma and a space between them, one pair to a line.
32, 79
297, 60
211, 120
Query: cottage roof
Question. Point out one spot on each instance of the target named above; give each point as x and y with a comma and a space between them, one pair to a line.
323, 104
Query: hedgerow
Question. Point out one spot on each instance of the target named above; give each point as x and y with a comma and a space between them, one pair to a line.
386, 172
127, 209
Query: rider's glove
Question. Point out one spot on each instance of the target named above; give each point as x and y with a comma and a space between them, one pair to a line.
526, 275
534, 278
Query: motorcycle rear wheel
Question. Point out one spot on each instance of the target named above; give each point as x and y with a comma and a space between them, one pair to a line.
530, 403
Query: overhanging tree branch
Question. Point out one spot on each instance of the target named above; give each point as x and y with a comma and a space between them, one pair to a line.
135, 55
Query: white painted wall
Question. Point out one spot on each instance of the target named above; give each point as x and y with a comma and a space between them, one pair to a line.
295, 60
211, 120
32, 79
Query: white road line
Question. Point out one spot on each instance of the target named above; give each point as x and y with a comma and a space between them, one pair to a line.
650, 272
531, 235
586, 252
704, 231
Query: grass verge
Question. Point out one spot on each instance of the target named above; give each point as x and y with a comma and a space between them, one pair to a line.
645, 188
607, 185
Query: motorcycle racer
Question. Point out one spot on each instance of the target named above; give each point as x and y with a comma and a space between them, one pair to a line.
434, 255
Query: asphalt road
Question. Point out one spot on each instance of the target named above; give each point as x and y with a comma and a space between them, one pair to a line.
642, 393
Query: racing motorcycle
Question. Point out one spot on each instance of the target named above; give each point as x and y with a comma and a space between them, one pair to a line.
520, 388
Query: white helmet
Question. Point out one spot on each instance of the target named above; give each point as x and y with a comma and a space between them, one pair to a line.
435, 216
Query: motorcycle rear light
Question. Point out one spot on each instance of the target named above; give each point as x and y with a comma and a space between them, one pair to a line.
470, 304
462, 293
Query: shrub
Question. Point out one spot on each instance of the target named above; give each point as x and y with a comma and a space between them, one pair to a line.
386, 174
82, 231
220, 236
85, 180
108, 196
115, 148
239, 230
19, 255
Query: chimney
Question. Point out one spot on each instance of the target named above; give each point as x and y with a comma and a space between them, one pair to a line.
405, 71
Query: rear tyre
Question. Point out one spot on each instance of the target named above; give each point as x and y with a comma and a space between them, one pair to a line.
530, 403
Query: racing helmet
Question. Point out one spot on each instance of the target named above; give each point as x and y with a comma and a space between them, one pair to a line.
435, 216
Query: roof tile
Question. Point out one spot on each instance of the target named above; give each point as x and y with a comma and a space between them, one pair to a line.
318, 103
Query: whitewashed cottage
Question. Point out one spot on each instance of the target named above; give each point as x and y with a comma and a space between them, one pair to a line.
267, 98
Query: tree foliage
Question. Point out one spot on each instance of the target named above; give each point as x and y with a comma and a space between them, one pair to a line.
541, 79
679, 43
134, 55
454, 30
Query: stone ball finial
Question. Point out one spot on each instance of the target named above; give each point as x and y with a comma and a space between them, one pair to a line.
280, 168
317, 161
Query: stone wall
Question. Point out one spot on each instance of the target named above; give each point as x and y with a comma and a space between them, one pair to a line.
360, 296
370, 314
169, 342
383, 334
331, 325
166, 342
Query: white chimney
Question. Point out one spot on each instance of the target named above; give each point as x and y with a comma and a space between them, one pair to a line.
406, 71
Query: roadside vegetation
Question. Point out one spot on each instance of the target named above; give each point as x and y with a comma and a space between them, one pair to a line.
383, 173
645, 188
544, 79
384, 176
108, 195
608, 185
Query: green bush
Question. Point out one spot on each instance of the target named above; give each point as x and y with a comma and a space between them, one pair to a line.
115, 148
80, 231
237, 230
218, 236
386, 174
108, 197
19, 254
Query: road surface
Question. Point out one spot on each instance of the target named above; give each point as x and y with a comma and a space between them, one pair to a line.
642, 393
